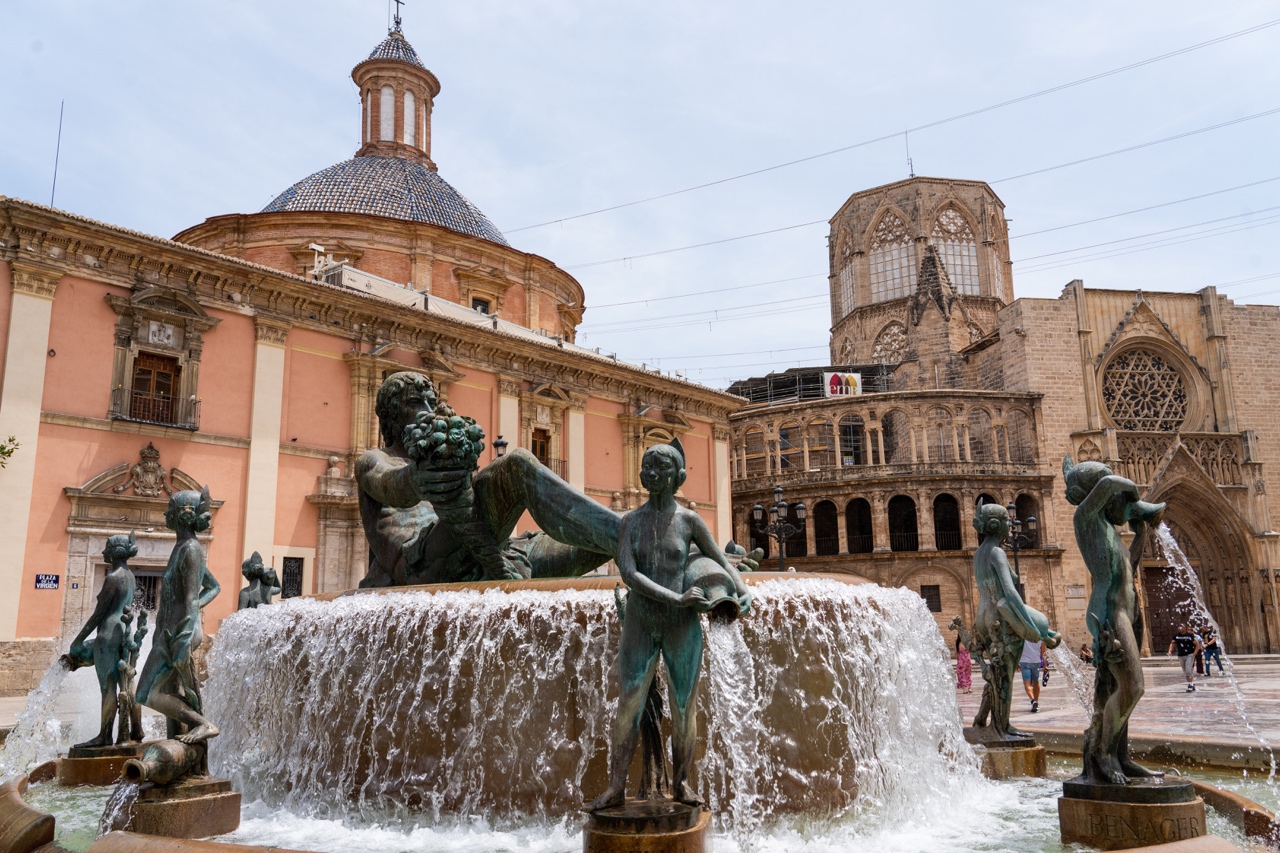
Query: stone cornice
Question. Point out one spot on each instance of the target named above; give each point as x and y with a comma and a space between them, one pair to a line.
80, 247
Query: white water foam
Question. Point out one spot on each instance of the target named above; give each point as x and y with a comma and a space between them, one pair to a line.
424, 707
1185, 581
37, 734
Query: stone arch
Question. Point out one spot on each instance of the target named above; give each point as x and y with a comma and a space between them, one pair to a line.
1027, 506
1020, 435
755, 458
946, 523
904, 530
1224, 557
826, 528
858, 527
820, 438
790, 446
853, 440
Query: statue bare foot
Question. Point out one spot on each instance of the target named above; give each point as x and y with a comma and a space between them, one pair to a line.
1111, 771
1133, 769
684, 794
612, 797
100, 740
199, 733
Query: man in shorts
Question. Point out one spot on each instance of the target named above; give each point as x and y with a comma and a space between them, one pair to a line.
1030, 664
1187, 645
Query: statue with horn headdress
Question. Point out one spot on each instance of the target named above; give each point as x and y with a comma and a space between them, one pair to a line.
1103, 501
168, 683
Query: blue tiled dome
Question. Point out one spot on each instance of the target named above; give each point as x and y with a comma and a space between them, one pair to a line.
387, 186
396, 46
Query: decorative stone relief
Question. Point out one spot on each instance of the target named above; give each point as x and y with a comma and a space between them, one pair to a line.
1143, 392
147, 478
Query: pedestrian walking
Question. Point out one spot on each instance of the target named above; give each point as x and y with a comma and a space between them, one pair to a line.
964, 668
1186, 644
1044, 666
1199, 632
1032, 654
1212, 652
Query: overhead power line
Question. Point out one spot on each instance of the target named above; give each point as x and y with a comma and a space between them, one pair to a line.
700, 316
705, 292
1145, 209
1015, 177
970, 114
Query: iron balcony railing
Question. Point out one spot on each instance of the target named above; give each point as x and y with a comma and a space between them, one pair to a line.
947, 540
559, 466
904, 542
159, 409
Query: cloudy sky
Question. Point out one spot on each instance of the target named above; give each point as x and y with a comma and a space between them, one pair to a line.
555, 108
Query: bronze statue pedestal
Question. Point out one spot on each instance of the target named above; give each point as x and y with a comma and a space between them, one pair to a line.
197, 807
648, 826
1006, 756
96, 765
1140, 814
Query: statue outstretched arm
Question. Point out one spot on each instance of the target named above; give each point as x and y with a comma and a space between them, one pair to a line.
387, 480
1106, 489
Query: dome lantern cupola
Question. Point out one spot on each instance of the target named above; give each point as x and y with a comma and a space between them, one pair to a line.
396, 94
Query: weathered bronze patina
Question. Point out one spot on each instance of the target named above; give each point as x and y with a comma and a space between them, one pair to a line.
262, 588
430, 517
168, 683
113, 652
1003, 622
668, 592
1103, 501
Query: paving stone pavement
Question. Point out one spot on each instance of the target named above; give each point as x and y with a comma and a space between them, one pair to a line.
1213, 711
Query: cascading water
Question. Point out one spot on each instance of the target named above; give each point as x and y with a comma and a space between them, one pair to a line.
1184, 581
1078, 677
37, 734
425, 705
119, 808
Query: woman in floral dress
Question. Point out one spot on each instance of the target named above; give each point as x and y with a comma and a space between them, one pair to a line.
964, 668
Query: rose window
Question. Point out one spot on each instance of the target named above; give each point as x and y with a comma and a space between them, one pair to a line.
1144, 393
891, 345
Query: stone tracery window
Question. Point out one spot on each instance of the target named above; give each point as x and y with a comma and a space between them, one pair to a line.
847, 274
958, 249
1144, 392
891, 344
893, 260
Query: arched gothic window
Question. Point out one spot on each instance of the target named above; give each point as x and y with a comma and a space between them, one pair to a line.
896, 434
410, 119
1021, 437
857, 520
891, 344
847, 274
981, 448
826, 529
903, 533
387, 114
893, 260
1144, 392
954, 240
941, 436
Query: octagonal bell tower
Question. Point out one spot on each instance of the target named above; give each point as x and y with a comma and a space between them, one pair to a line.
918, 270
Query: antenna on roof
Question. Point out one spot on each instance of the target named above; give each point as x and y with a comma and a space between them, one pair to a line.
57, 152
398, 3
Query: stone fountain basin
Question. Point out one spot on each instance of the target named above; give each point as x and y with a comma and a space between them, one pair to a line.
497, 698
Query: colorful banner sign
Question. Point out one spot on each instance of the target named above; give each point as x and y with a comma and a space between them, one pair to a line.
842, 384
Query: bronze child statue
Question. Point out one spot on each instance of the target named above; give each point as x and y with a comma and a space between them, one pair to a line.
662, 616
1103, 501
168, 682
111, 645
261, 586
1003, 622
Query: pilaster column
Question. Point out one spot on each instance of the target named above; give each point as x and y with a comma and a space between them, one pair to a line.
720, 471
880, 444
968, 536
509, 411
842, 527
576, 443
924, 522
26, 353
264, 435
879, 522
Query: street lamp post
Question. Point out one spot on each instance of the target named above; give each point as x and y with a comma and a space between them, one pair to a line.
1019, 540
779, 527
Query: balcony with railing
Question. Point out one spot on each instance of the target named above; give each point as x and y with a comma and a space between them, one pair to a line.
559, 466
158, 409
